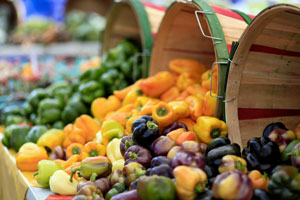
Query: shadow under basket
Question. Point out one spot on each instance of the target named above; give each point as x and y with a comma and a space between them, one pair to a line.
264, 77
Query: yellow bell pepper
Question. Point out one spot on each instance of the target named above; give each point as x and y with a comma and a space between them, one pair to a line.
189, 181
132, 95
209, 104
170, 95
51, 139
192, 67
88, 125
111, 129
231, 162
184, 81
113, 151
102, 106
197, 91
74, 135
195, 105
119, 164
29, 155
94, 149
181, 109
208, 128
164, 114
130, 122
141, 101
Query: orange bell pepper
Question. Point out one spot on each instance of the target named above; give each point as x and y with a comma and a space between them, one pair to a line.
74, 135
163, 114
195, 106
127, 108
181, 109
74, 149
259, 180
94, 149
184, 81
192, 67
188, 122
209, 105
73, 159
197, 91
170, 95
60, 162
67, 141
147, 110
69, 169
185, 136
154, 86
130, 122
141, 101
89, 125
206, 80
120, 117
173, 135
182, 96
121, 94
102, 106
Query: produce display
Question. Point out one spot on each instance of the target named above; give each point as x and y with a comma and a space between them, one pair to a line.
61, 102
155, 139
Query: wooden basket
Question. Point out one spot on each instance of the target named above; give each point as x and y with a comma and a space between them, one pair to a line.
99, 6
264, 76
134, 20
180, 36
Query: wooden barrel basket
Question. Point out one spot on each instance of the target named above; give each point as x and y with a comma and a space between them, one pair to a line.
180, 36
135, 20
264, 77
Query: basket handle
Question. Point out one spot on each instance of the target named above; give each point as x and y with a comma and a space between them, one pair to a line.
212, 74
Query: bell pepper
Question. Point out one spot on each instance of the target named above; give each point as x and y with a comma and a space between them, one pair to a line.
57, 153
74, 135
7, 135
130, 122
141, 101
102, 106
218, 142
232, 185
147, 109
189, 181
188, 122
94, 149
185, 136
184, 81
88, 191
282, 137
110, 130
89, 125
13, 119
181, 109
164, 114
115, 177
170, 95
295, 155
272, 126
197, 91
29, 155
35, 133
93, 167
259, 180
161, 170
121, 94
206, 80
173, 135
72, 110
51, 139
194, 146
127, 108
36, 96
285, 183
174, 126
71, 160
132, 95
261, 154
46, 170
18, 137
195, 105
49, 110
74, 149
192, 67
161, 146
209, 128
286, 154
118, 164
129, 195
155, 85
173, 151
125, 143
156, 188
231, 162
188, 158
297, 131
133, 171
91, 90
144, 130
60, 183
113, 151
120, 117
209, 104
138, 154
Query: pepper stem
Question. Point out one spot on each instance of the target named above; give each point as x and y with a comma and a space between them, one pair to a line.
215, 133
75, 150
239, 165
265, 176
73, 171
133, 156
128, 144
93, 177
139, 92
36, 173
162, 112
93, 153
151, 125
199, 188
139, 172
296, 153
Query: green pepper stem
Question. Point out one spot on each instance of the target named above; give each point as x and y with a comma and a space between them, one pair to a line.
93, 153
73, 171
93, 177
296, 153
162, 112
128, 144
75, 150
151, 125
139, 172
139, 92
265, 176
36, 173
198, 188
216, 132
133, 156
239, 165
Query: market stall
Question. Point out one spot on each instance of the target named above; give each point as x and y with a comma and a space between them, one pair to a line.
187, 102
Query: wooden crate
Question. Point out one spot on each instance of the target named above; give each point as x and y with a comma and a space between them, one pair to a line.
135, 20
264, 78
179, 36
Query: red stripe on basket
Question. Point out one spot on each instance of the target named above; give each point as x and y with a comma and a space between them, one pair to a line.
228, 13
150, 5
188, 51
229, 47
271, 50
59, 197
154, 35
259, 113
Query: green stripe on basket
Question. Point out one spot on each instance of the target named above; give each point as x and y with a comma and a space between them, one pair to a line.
246, 18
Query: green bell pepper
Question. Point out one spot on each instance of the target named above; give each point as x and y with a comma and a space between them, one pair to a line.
56, 87
7, 135
35, 133
36, 96
49, 110
90, 91
285, 183
14, 119
109, 77
46, 169
58, 125
91, 74
18, 137
286, 154
27, 109
5, 142
11, 111
156, 188
73, 110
